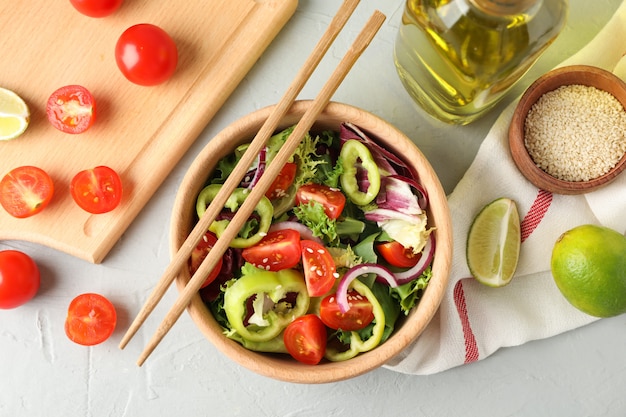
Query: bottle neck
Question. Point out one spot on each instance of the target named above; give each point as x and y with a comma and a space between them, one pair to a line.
504, 7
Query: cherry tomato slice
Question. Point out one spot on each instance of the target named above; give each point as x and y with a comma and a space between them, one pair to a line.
200, 253
319, 268
278, 250
305, 339
91, 319
97, 190
19, 279
71, 109
96, 8
397, 255
283, 181
360, 314
146, 54
331, 199
25, 191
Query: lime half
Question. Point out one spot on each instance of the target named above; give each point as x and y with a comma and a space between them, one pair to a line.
493, 243
14, 115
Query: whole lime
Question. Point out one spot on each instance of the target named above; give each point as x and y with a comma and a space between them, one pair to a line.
589, 267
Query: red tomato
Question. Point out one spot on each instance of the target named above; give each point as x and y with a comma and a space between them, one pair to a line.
283, 181
97, 190
278, 250
319, 268
71, 109
333, 200
19, 278
146, 54
357, 317
305, 339
91, 319
25, 191
200, 253
96, 8
398, 255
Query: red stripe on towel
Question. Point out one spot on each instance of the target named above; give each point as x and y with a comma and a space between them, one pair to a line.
536, 213
471, 348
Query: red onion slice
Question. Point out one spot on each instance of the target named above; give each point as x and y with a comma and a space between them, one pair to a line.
260, 169
355, 272
305, 232
421, 265
383, 274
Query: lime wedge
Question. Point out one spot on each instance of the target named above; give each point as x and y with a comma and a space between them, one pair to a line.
493, 243
14, 115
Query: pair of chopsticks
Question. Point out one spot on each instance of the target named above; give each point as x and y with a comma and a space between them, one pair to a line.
245, 210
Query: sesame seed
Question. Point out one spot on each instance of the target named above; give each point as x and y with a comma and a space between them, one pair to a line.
336, 275
262, 234
309, 250
576, 132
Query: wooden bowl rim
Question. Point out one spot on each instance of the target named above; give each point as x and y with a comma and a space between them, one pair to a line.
282, 367
568, 75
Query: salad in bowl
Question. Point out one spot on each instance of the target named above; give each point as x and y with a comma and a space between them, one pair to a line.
344, 260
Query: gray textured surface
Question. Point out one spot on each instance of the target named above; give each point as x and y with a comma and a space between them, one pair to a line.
579, 373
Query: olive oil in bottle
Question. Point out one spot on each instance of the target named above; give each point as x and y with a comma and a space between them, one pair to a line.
457, 58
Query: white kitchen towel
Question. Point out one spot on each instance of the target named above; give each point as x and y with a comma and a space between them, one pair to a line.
474, 320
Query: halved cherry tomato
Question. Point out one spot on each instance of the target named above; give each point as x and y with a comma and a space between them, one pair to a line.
19, 278
278, 250
91, 319
398, 255
96, 8
283, 181
97, 190
360, 314
200, 253
319, 268
71, 109
146, 54
305, 339
25, 191
332, 199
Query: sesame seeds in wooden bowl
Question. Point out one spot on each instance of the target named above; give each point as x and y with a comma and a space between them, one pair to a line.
568, 132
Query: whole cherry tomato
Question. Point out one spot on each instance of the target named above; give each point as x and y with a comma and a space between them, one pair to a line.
19, 278
96, 8
146, 54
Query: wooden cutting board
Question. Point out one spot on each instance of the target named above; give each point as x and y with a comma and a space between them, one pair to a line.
141, 132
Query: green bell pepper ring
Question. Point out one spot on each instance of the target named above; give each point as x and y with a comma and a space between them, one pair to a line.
264, 209
357, 345
351, 153
265, 325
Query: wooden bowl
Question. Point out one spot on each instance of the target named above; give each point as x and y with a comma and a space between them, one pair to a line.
571, 75
282, 367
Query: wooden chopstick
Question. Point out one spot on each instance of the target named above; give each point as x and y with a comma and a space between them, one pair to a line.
247, 207
233, 180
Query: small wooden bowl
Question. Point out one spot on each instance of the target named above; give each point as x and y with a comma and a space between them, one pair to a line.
571, 75
282, 367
